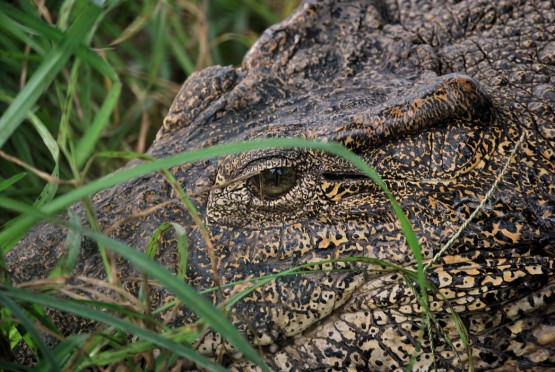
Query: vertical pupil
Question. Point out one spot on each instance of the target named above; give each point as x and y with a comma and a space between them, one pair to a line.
276, 174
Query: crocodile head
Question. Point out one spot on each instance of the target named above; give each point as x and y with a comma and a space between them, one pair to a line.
452, 104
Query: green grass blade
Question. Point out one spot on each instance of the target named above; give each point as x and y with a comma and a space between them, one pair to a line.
86, 144
63, 351
5, 184
50, 189
17, 30
112, 356
181, 234
67, 262
45, 73
29, 327
160, 43
214, 317
13, 367
182, 57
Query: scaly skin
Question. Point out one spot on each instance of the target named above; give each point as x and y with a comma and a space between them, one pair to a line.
436, 97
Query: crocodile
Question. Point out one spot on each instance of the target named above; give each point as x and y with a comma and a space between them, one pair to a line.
451, 102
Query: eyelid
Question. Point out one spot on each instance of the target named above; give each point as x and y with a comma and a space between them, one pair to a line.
258, 165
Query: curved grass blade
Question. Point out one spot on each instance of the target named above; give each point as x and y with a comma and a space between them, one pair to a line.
17, 31
63, 351
67, 262
225, 149
109, 357
86, 144
26, 322
13, 367
50, 189
5, 184
181, 234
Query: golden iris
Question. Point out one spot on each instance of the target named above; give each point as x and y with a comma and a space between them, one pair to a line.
274, 182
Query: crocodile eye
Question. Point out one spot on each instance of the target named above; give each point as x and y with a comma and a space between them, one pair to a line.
274, 182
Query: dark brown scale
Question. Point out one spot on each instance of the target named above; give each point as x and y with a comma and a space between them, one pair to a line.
435, 95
